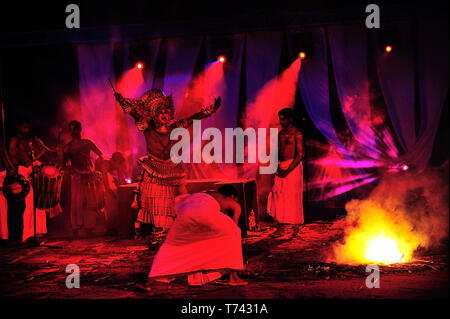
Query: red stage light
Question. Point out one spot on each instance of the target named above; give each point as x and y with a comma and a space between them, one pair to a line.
302, 55
222, 59
405, 167
140, 65
388, 48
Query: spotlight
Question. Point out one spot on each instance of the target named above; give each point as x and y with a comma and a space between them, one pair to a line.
128, 180
388, 48
139, 65
405, 167
302, 55
222, 59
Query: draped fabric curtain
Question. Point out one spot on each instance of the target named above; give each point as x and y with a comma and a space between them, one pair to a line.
313, 86
135, 139
349, 58
263, 50
433, 86
182, 54
221, 80
97, 102
228, 87
262, 61
408, 70
396, 76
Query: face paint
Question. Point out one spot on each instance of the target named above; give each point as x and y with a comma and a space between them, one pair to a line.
163, 116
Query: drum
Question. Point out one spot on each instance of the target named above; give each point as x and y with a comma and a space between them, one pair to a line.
94, 191
47, 186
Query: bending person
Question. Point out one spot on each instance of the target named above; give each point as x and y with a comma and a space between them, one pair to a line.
203, 243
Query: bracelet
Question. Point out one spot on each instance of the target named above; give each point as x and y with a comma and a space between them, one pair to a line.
127, 106
207, 110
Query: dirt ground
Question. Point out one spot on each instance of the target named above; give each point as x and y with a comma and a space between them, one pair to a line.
296, 268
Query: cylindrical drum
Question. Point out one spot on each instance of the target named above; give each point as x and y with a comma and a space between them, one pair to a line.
47, 186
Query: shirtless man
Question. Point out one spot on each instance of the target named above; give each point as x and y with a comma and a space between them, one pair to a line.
20, 151
19, 146
161, 178
203, 243
78, 153
113, 174
287, 203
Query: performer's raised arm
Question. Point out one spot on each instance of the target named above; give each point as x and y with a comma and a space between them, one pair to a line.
205, 112
129, 106
136, 108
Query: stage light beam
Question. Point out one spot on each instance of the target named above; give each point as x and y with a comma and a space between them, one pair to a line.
302, 55
222, 59
140, 65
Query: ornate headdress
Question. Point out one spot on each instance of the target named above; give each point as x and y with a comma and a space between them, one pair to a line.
145, 110
154, 99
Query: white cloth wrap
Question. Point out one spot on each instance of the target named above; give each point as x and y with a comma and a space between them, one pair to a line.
201, 239
285, 203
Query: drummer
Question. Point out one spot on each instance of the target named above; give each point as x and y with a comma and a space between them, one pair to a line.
19, 151
78, 153
19, 146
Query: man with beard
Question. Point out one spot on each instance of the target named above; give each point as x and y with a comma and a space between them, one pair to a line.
160, 178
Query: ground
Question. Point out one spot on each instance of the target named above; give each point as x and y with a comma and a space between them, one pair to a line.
296, 268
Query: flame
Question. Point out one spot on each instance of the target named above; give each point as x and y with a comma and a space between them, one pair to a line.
375, 236
403, 213
383, 250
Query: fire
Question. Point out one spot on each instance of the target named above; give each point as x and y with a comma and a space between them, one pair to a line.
375, 236
402, 213
383, 250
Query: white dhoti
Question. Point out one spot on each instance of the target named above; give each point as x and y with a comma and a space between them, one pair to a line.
202, 242
285, 202
28, 219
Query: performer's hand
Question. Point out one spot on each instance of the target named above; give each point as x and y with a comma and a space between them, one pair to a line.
37, 163
211, 109
217, 103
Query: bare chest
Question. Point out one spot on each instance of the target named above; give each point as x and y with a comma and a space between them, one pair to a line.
287, 139
158, 144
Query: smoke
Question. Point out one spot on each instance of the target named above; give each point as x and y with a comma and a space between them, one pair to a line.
410, 208
419, 199
202, 88
275, 95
